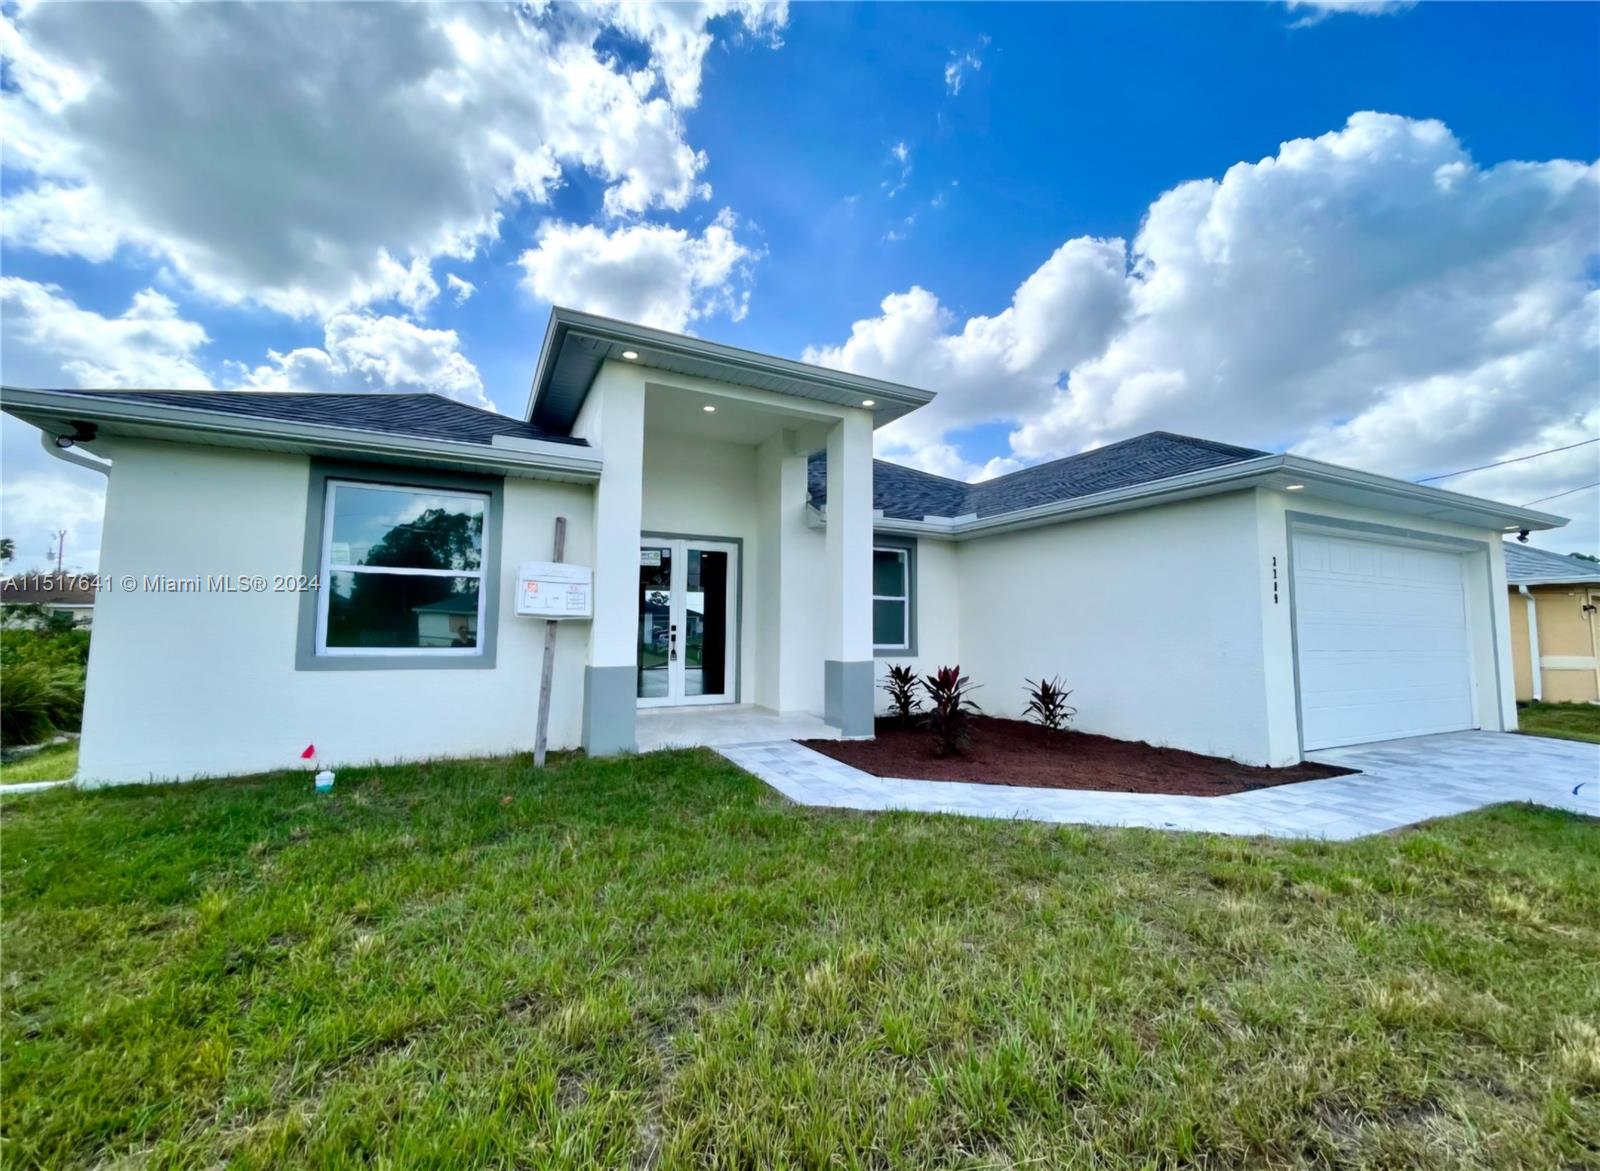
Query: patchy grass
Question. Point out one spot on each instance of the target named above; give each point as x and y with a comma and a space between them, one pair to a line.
658, 962
59, 762
1567, 721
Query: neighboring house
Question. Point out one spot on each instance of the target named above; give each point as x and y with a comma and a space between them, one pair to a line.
69, 595
1193, 594
1554, 624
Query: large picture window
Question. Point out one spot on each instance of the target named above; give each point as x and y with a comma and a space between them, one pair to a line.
402, 571
891, 598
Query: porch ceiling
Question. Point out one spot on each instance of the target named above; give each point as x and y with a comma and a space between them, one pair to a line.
675, 411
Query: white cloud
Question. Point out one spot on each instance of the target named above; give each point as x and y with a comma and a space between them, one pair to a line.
962, 63
660, 276
1371, 297
679, 36
900, 156
48, 341
362, 352
463, 289
339, 150
1317, 11
35, 506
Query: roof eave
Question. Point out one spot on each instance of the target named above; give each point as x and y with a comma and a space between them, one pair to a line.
1271, 472
892, 399
42, 408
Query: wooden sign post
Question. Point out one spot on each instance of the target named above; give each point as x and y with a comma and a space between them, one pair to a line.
547, 675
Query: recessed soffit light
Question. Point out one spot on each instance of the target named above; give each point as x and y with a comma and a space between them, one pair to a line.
867, 402
631, 355
1293, 487
708, 408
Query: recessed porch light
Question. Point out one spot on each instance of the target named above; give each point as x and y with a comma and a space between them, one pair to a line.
1293, 487
868, 402
708, 408
631, 355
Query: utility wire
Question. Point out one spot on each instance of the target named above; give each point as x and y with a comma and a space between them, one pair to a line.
1559, 495
1514, 459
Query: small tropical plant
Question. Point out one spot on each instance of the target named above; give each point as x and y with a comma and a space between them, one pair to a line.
904, 702
950, 709
1047, 702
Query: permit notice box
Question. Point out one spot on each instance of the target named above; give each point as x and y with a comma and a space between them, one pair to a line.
554, 589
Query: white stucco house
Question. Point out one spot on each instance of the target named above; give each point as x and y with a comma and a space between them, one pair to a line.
284, 569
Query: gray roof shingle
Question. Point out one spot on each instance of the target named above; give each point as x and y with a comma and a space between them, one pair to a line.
907, 494
418, 414
1524, 563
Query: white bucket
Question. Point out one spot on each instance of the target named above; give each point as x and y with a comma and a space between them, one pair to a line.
324, 781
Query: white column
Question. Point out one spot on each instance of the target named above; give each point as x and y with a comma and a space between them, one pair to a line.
613, 419
847, 669
787, 579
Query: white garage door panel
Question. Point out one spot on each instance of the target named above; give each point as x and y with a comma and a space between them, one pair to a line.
1381, 635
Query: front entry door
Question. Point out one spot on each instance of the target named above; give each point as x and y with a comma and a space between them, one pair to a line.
688, 628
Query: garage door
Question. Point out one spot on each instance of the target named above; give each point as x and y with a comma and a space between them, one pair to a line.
1381, 635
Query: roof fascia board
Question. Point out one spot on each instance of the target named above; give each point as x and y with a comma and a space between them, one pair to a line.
33, 405
1554, 581
1422, 493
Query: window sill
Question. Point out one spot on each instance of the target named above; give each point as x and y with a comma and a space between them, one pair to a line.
421, 662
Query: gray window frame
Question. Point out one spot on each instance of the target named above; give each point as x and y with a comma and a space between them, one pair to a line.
306, 657
908, 546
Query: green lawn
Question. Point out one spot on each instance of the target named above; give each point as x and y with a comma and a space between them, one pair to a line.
1569, 721
56, 763
658, 962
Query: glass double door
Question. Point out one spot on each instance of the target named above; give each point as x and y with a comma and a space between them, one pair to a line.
688, 621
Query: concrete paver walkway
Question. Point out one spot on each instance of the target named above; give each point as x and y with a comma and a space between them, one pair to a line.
1401, 782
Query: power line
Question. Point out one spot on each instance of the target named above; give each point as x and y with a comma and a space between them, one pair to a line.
1514, 459
1559, 495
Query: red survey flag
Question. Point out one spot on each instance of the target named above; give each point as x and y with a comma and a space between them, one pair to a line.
311, 750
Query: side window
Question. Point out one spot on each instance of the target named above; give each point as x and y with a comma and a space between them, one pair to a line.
401, 571
891, 598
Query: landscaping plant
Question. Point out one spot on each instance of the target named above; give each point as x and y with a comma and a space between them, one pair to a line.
41, 683
1047, 702
950, 710
904, 703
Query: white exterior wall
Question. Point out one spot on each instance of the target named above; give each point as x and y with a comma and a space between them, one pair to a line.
193, 684
1488, 619
1151, 617
937, 596
702, 488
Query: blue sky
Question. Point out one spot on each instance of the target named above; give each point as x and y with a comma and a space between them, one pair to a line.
1018, 181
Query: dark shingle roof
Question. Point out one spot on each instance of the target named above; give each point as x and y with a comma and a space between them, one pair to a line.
59, 589
907, 494
419, 415
1525, 564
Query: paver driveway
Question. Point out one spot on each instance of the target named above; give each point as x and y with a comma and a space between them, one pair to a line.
1401, 782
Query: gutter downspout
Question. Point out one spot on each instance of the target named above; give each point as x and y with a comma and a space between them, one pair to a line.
67, 455
1535, 670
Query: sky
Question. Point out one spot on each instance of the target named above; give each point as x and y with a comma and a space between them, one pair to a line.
1368, 234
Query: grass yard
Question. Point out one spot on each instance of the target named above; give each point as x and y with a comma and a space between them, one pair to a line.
1567, 721
658, 962
57, 763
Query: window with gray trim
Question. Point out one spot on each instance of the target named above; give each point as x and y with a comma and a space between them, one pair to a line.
893, 598
405, 564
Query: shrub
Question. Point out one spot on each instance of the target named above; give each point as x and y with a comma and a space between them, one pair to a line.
1047, 702
950, 709
41, 683
37, 700
901, 685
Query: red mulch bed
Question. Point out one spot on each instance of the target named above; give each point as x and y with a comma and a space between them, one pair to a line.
1010, 752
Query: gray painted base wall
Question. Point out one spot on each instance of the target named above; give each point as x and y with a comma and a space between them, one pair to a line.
610, 703
847, 696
